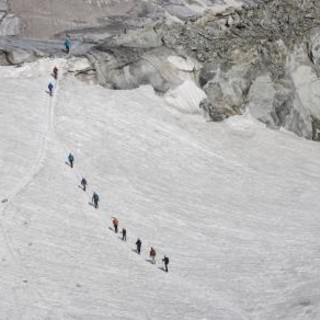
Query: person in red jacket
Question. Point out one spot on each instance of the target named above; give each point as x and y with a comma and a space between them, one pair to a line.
55, 73
115, 224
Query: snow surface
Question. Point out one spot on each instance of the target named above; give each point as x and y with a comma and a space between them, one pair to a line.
234, 205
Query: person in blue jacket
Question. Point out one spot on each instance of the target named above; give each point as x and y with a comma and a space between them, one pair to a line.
71, 159
95, 200
50, 87
165, 260
84, 184
67, 44
138, 244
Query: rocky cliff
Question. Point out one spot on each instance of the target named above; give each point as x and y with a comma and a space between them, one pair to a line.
262, 58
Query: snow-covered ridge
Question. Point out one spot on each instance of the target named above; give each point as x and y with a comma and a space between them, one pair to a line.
233, 204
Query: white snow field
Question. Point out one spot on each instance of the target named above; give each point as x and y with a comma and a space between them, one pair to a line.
234, 205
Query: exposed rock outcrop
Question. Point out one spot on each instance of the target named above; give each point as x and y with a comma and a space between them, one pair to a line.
264, 58
127, 61
19, 56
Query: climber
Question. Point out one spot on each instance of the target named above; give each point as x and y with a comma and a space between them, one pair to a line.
115, 224
55, 73
95, 200
153, 255
165, 260
67, 45
71, 159
124, 234
84, 184
50, 87
138, 244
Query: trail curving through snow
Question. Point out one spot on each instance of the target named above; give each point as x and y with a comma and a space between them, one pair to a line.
30, 175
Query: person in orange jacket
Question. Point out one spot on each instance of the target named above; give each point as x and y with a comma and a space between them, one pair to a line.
115, 224
153, 255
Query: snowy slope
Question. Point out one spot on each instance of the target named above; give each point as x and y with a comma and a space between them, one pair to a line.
234, 206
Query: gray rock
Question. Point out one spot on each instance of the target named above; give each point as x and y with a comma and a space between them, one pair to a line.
212, 112
305, 88
260, 101
139, 38
314, 46
125, 68
230, 81
19, 56
3, 59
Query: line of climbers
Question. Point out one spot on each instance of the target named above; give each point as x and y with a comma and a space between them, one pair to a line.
67, 45
95, 197
115, 221
138, 243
